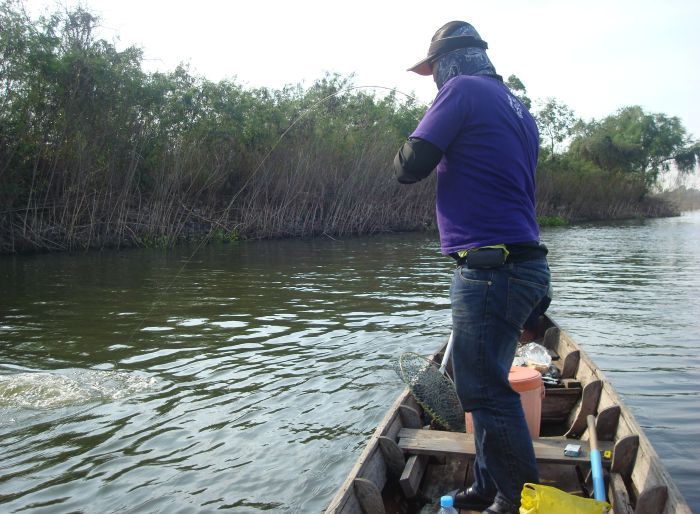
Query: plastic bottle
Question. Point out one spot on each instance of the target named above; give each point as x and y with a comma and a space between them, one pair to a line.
447, 505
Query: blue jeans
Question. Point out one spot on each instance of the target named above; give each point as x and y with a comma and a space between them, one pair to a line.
489, 308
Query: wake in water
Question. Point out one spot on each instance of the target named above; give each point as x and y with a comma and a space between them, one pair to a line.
62, 388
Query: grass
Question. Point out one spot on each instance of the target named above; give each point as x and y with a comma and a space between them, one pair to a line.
552, 221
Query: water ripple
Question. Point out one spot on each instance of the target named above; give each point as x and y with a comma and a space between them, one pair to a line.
270, 362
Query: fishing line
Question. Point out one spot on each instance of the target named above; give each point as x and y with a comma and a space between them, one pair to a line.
297, 120
218, 222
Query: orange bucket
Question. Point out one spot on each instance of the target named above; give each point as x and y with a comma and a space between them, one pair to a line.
527, 382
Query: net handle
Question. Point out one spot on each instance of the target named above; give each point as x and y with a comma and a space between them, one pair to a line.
448, 352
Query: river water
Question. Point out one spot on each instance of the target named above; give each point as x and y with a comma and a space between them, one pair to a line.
247, 377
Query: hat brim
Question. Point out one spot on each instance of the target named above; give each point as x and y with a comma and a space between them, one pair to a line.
443, 46
422, 67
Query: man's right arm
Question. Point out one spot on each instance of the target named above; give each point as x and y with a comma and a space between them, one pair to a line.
415, 160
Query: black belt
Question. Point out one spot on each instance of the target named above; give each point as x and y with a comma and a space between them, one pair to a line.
492, 258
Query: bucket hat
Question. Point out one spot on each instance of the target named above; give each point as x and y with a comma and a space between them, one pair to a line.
442, 43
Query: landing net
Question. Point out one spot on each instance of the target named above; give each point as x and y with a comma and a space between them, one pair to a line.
434, 391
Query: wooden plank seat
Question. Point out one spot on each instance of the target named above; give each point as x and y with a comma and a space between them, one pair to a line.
558, 403
547, 449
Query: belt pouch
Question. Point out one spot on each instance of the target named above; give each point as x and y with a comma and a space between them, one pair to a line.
486, 258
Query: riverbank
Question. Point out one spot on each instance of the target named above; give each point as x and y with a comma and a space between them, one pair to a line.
270, 211
156, 228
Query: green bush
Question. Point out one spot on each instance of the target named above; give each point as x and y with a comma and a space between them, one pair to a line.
96, 152
551, 221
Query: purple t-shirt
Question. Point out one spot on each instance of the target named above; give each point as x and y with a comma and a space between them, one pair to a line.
486, 178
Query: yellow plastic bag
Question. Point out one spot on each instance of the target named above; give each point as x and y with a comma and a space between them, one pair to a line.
542, 499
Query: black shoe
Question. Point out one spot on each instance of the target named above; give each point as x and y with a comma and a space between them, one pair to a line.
470, 499
501, 508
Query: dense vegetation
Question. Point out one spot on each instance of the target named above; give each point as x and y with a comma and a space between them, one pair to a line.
609, 168
96, 152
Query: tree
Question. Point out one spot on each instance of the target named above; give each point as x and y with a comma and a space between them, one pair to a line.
556, 123
518, 88
635, 141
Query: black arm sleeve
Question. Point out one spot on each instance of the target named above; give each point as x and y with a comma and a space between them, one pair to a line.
415, 160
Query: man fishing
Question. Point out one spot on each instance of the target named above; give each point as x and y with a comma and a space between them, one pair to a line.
485, 144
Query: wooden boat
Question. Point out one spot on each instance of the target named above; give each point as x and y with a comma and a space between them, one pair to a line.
407, 464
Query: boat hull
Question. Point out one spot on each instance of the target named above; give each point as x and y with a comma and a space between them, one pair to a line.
407, 464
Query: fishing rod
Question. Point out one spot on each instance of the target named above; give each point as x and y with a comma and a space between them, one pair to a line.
297, 120
256, 170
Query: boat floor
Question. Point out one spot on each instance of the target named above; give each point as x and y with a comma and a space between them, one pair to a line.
447, 475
